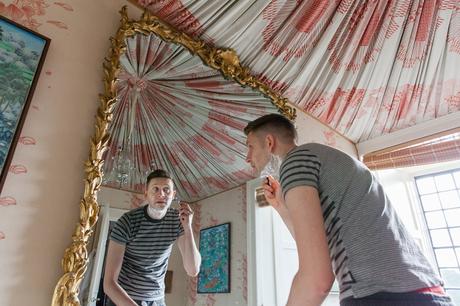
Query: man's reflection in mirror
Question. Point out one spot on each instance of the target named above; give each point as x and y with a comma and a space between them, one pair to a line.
141, 242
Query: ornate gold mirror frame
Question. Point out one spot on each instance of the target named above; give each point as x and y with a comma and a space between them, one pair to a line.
225, 60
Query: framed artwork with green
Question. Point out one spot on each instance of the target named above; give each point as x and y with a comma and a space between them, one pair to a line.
214, 276
22, 52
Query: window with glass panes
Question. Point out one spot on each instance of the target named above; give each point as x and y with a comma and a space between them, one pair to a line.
440, 199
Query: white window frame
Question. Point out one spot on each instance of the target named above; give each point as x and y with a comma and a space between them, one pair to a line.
432, 172
407, 176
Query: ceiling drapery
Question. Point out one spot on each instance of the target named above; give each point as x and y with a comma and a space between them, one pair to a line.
366, 68
174, 113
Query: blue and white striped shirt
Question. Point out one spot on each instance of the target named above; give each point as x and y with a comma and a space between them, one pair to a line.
371, 251
148, 246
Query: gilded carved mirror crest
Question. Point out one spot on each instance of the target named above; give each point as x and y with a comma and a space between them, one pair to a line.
223, 60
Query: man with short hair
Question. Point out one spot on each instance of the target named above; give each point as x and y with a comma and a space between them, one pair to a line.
141, 242
343, 223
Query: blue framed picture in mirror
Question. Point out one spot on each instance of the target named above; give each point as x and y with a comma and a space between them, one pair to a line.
214, 276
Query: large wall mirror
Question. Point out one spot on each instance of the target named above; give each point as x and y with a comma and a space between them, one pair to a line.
170, 101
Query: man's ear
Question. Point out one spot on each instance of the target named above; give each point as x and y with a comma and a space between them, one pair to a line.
270, 142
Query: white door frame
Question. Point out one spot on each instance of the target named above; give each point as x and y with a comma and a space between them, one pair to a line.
261, 270
107, 214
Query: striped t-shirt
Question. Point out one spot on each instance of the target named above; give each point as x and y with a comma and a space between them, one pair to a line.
370, 249
148, 246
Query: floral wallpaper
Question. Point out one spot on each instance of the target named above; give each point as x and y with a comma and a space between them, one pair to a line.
32, 15
39, 202
231, 208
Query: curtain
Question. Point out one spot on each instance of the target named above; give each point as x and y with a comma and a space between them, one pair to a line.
435, 150
176, 114
365, 68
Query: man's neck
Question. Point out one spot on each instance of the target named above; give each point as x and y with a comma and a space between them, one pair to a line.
284, 149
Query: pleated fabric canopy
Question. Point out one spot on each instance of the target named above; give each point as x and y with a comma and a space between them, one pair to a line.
177, 114
366, 68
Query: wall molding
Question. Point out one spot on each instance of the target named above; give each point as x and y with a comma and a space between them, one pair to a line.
424, 129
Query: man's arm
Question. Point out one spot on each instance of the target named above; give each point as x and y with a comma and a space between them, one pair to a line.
314, 278
190, 255
113, 262
273, 195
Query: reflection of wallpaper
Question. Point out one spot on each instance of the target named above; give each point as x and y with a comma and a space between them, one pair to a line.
230, 207
119, 199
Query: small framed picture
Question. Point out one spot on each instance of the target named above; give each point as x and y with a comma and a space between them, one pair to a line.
214, 274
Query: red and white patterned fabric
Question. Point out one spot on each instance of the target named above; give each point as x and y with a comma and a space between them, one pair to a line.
365, 68
175, 113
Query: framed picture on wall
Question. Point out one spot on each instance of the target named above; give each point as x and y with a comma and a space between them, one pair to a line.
22, 52
214, 274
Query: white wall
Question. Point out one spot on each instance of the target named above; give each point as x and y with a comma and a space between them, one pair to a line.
310, 129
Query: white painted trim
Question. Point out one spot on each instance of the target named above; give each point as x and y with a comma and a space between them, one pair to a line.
103, 226
107, 214
261, 269
447, 122
251, 243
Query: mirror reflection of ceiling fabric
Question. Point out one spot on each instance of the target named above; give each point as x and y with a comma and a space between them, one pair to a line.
163, 108
175, 113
